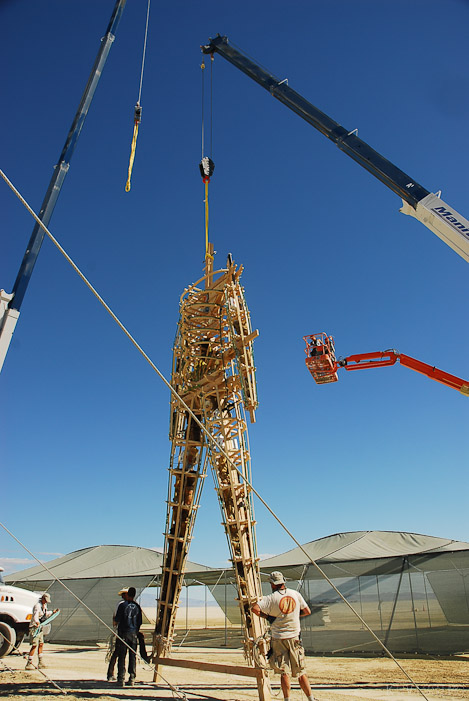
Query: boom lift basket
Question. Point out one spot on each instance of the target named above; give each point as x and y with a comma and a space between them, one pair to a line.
320, 357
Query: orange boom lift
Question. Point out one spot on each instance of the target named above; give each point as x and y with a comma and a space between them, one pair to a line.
323, 366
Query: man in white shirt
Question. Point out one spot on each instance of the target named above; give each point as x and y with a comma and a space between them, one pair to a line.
40, 615
285, 606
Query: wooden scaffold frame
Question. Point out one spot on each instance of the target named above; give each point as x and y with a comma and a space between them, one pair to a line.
214, 374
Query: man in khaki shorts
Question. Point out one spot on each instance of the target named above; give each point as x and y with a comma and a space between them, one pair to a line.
39, 615
288, 655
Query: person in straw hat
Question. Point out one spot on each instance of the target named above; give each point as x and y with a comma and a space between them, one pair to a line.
113, 652
283, 608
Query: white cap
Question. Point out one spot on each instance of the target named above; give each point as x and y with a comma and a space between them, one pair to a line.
276, 578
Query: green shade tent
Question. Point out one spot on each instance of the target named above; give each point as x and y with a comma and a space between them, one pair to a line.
411, 589
95, 575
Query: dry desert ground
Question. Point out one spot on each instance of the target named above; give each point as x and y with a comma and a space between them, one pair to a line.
79, 673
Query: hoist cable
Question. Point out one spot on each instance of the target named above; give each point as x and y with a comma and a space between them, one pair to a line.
138, 107
211, 439
144, 52
202, 67
206, 165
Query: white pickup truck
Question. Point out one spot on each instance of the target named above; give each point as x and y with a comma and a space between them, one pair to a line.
16, 607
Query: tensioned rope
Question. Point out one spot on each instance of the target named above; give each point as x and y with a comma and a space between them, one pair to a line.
209, 436
38, 669
138, 108
57, 579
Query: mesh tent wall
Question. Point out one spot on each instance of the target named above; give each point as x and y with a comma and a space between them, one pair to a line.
412, 590
77, 624
95, 575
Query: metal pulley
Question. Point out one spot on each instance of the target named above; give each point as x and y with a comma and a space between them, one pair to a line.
138, 113
206, 167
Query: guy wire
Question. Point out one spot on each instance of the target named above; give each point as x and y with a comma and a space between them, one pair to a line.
203, 428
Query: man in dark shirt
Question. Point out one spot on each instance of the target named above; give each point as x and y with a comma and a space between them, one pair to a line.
129, 619
113, 648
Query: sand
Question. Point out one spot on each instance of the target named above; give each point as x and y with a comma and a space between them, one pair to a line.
80, 671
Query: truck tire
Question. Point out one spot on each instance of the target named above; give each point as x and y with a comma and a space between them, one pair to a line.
19, 637
7, 639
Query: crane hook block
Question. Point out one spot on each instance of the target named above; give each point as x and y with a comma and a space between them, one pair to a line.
138, 113
206, 166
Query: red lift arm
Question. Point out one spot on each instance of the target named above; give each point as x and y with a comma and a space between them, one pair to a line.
323, 366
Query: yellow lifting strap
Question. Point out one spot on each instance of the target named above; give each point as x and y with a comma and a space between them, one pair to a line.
206, 167
137, 120
138, 109
207, 253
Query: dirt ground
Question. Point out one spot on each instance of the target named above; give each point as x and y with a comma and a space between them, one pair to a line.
80, 674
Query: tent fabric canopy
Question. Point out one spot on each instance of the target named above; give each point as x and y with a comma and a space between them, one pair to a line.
412, 589
128, 561
345, 554
94, 575
364, 545
125, 561
99, 561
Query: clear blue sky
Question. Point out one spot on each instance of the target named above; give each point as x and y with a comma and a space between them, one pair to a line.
84, 431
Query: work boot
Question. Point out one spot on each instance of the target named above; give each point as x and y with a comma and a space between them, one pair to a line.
111, 678
120, 682
130, 682
29, 665
41, 664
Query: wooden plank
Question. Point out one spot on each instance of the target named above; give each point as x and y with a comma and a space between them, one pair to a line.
238, 670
